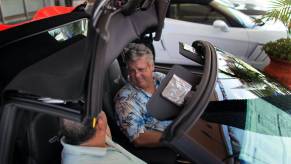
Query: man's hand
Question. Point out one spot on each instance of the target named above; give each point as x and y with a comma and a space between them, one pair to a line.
148, 139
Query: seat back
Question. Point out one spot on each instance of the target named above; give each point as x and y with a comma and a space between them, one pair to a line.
36, 140
42, 137
113, 81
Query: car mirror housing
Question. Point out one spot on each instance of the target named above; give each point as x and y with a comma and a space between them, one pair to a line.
221, 25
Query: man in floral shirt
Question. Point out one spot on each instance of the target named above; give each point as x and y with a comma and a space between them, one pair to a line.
130, 102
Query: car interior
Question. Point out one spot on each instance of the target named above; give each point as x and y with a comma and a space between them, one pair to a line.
70, 86
37, 133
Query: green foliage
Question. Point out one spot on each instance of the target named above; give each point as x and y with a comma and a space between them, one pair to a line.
280, 10
279, 49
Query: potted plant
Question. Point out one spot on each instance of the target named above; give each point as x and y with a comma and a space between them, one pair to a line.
279, 51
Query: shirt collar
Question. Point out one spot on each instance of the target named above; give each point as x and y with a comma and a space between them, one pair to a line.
156, 81
76, 149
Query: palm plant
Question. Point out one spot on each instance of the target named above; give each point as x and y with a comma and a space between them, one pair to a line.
280, 10
279, 49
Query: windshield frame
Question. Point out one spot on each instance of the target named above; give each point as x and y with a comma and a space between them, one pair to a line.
243, 19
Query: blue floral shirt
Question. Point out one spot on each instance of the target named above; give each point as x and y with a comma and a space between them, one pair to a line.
132, 115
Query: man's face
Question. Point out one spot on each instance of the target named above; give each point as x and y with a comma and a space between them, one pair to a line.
141, 72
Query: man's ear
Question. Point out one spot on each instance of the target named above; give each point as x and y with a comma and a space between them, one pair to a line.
100, 134
102, 122
152, 67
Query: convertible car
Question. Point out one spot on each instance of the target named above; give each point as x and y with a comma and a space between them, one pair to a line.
223, 26
70, 65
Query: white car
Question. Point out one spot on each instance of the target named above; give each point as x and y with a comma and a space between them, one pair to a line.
225, 27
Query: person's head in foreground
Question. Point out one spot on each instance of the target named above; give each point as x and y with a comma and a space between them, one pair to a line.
87, 143
83, 133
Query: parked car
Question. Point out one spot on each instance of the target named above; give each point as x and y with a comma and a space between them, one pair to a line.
70, 66
41, 14
225, 27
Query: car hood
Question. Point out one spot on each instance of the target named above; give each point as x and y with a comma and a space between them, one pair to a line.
238, 80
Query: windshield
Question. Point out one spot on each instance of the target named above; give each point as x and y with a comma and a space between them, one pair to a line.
245, 20
255, 111
238, 80
266, 137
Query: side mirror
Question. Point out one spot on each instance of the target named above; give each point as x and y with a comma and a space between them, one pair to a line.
236, 4
221, 25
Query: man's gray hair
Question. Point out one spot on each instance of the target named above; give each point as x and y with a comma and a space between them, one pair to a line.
136, 50
77, 132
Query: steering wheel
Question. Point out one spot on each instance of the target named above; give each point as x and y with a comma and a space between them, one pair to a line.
184, 117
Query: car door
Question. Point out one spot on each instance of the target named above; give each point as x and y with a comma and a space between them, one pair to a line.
188, 22
43, 66
57, 65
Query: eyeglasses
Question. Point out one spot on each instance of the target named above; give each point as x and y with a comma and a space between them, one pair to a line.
138, 70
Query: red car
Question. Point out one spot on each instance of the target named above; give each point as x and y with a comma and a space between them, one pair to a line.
41, 14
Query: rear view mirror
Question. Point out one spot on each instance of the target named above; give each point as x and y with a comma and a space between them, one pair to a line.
190, 53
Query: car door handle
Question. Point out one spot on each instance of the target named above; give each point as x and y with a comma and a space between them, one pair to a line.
163, 45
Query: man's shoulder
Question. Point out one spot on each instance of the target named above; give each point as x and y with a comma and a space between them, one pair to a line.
159, 76
125, 91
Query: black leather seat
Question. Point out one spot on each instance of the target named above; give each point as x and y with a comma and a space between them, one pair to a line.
36, 139
112, 83
42, 135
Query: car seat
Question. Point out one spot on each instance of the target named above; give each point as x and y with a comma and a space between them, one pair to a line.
37, 139
43, 144
112, 83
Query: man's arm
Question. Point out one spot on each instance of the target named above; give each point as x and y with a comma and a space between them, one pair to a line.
148, 139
